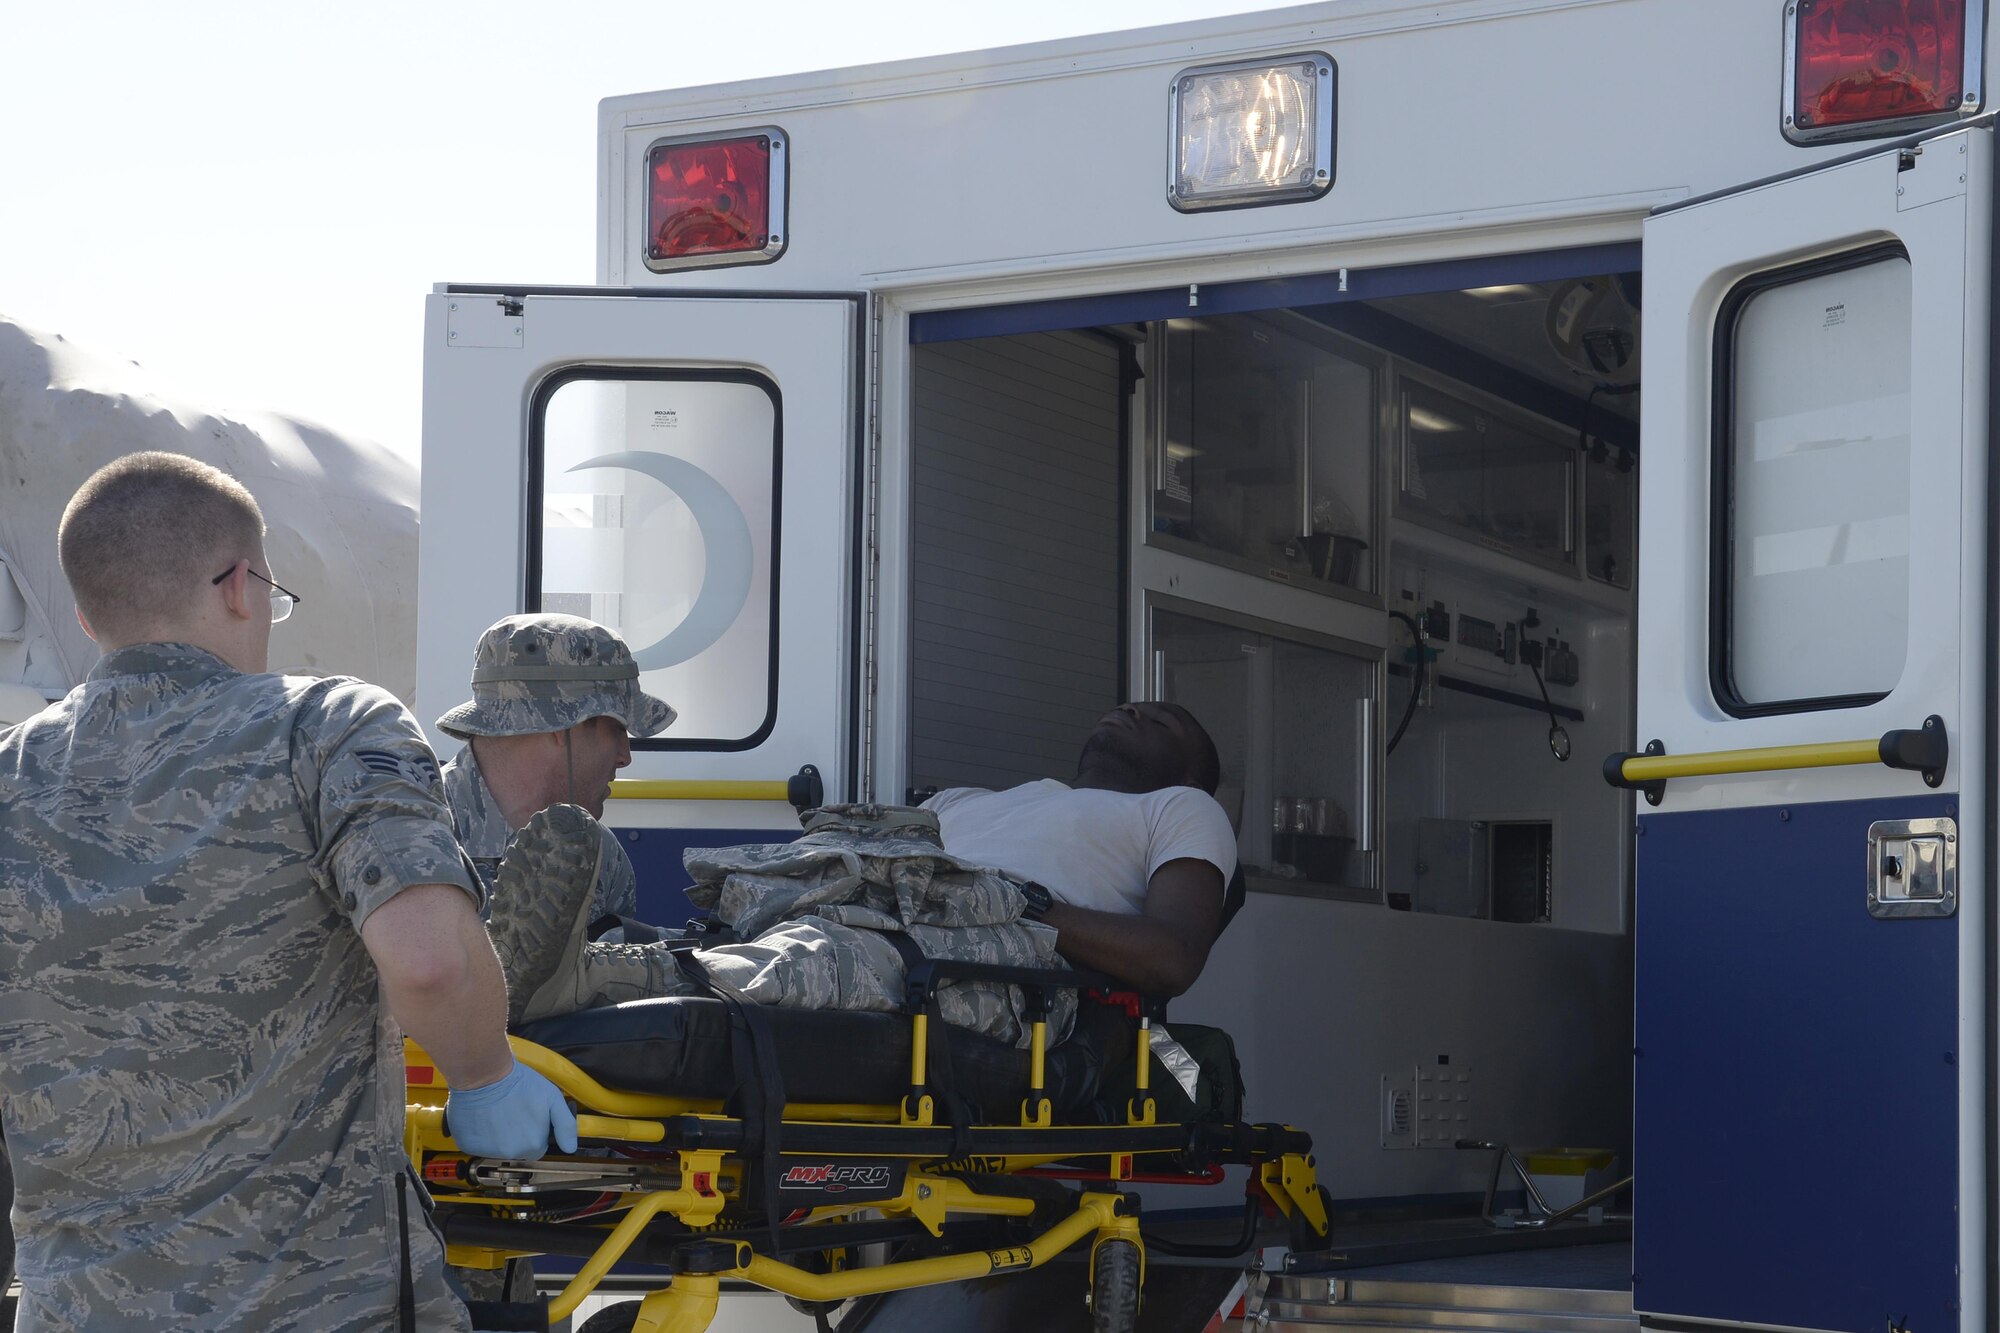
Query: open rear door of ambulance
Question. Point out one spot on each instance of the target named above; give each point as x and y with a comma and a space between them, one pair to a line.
1815, 673
683, 467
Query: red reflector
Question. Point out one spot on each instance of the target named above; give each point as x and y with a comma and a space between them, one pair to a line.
424, 1074
1862, 61
709, 198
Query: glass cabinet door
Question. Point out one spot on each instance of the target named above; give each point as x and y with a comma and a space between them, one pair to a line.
1294, 723
1502, 480
1263, 449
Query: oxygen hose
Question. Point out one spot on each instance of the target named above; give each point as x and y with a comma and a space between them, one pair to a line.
1417, 671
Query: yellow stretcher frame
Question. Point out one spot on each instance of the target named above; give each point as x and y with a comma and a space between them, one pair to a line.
705, 1180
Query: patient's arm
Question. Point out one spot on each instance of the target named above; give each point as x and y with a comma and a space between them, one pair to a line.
1158, 954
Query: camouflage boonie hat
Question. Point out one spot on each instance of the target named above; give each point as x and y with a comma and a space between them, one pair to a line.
548, 672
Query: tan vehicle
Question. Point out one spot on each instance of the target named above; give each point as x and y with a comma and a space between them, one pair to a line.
343, 516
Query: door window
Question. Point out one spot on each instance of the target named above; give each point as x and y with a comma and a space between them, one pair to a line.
656, 500
1813, 494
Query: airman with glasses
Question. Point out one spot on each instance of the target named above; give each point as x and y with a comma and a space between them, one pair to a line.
222, 890
283, 599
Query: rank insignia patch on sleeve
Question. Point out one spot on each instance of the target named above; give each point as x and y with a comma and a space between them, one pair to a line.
419, 769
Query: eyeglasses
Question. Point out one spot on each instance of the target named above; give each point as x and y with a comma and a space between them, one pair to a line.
283, 599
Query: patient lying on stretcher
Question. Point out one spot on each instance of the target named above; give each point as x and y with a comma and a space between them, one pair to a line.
1121, 872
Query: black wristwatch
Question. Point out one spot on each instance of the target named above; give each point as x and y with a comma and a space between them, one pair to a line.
1038, 899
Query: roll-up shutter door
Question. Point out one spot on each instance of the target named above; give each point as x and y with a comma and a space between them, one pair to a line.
1017, 553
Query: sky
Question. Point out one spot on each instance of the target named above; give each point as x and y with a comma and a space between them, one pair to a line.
251, 199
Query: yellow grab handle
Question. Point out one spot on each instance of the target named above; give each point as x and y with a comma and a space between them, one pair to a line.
802, 791
1925, 750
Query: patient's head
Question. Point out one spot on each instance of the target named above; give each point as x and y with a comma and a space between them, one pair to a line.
1140, 747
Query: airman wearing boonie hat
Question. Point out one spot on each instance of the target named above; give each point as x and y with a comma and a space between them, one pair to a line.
554, 701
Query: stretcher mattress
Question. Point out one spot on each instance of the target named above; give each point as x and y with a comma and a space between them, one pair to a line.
682, 1046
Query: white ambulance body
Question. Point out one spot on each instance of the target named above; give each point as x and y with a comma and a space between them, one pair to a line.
1632, 352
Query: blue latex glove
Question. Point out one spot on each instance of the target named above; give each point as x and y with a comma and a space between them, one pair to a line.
515, 1117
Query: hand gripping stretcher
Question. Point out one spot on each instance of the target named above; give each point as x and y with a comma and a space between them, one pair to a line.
726, 1141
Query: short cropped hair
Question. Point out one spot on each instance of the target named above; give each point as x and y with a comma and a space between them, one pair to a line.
1204, 761
142, 535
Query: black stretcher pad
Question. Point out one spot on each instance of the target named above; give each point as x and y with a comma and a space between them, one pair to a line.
681, 1046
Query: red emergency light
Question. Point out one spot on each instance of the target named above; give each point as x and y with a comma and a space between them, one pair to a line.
1867, 68
715, 201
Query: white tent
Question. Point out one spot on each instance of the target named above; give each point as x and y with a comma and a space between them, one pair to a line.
342, 515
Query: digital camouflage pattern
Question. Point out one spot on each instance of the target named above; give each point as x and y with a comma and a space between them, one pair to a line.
816, 911
813, 915
541, 924
548, 672
483, 832
202, 1094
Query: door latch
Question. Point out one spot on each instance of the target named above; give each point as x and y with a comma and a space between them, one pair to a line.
1912, 868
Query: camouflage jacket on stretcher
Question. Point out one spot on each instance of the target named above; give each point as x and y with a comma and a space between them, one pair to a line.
817, 913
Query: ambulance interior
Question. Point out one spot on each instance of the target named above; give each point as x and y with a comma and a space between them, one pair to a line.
1384, 550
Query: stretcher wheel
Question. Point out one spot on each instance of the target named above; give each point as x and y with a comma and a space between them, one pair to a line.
826, 1261
617, 1318
1114, 1287
1303, 1239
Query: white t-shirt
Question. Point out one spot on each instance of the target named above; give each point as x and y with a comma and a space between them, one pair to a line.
1088, 848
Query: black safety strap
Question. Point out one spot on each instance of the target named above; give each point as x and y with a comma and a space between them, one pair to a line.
636, 932
406, 1293
760, 1084
706, 931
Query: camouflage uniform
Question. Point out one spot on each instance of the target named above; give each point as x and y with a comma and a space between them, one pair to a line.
819, 912
483, 832
537, 673
530, 674
547, 672
817, 915
203, 1093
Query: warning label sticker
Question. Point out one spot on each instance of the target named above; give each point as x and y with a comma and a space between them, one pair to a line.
1005, 1261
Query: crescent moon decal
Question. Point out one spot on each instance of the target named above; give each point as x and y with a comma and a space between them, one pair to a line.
726, 543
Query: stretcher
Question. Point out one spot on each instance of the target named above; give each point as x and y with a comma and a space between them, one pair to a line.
831, 1155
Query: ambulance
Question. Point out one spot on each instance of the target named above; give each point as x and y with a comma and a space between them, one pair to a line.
1544, 441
